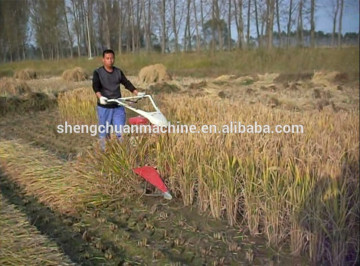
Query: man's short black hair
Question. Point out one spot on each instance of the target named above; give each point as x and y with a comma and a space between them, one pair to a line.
108, 51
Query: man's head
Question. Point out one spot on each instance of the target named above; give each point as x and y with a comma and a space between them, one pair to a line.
108, 58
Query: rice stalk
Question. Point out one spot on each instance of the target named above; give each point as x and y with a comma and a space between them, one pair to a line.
22, 244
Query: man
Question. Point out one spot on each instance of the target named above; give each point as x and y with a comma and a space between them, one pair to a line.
106, 85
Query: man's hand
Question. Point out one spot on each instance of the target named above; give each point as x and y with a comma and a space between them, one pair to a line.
103, 100
141, 94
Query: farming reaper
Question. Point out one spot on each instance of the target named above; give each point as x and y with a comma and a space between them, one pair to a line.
111, 111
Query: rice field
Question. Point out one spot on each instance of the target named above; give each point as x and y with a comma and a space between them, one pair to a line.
22, 244
299, 190
253, 198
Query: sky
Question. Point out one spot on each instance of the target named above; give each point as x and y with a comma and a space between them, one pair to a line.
324, 20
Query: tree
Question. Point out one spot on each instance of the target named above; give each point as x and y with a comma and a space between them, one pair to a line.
147, 25
289, 22
197, 28
87, 15
239, 23
229, 25
218, 24
106, 25
47, 20
138, 31
13, 29
64, 28
69, 35
335, 5
340, 22
248, 24
278, 22
174, 25
2, 33
312, 23
300, 27
120, 26
187, 33
163, 26
76, 16
211, 29
270, 7
202, 19
257, 22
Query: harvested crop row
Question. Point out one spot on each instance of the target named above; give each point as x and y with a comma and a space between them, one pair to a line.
22, 244
43, 175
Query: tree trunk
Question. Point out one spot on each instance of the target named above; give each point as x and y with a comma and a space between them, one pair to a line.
336, 11
120, 24
187, 34
270, 22
79, 44
128, 27
278, 23
229, 26
24, 51
147, 18
91, 27
197, 29
149, 27
239, 23
132, 21
312, 23
175, 27
68, 31
88, 30
163, 27
289, 24
189, 26
263, 25
138, 23
248, 24
257, 23
18, 53
106, 25
300, 28
75, 13
145, 24
219, 26
83, 24
340, 22
202, 19
58, 49
213, 42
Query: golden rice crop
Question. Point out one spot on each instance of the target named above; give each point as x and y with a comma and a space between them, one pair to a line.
76, 74
299, 189
25, 74
78, 106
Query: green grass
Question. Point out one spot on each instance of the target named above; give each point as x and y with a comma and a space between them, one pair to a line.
210, 64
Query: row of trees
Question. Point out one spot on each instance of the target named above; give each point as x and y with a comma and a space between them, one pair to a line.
67, 28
